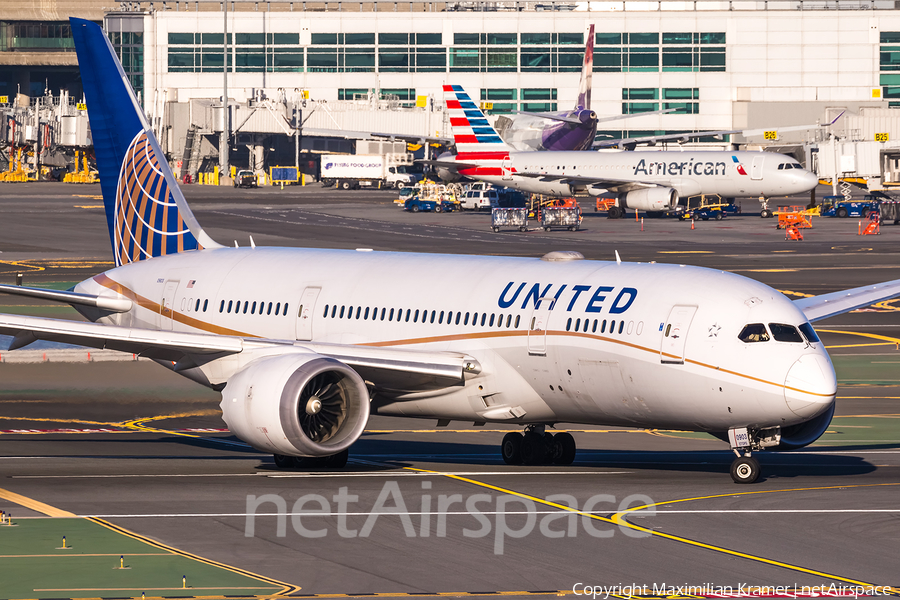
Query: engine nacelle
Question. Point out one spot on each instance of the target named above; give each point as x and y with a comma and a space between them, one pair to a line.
804, 434
296, 405
658, 198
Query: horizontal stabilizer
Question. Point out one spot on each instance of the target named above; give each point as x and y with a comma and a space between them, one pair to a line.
828, 305
552, 117
116, 305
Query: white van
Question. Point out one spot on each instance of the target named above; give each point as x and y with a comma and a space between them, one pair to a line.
479, 199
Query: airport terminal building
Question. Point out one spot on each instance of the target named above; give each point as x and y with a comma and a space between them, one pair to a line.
717, 65
722, 65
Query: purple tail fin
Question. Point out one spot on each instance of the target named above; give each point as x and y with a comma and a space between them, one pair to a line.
584, 89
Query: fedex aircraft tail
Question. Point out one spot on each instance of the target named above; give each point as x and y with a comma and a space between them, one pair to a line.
471, 131
146, 212
587, 69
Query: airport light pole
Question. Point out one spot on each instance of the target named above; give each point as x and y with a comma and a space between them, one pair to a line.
223, 138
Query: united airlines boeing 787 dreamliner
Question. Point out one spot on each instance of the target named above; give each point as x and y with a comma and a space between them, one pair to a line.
304, 343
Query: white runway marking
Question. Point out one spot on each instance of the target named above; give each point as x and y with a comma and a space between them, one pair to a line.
772, 511
640, 513
306, 474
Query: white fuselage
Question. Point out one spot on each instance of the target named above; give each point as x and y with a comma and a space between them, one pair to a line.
613, 348
752, 174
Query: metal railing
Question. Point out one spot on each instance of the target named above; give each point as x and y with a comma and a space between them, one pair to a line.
599, 6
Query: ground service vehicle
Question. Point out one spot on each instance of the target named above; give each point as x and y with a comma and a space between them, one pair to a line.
417, 204
837, 206
354, 171
245, 179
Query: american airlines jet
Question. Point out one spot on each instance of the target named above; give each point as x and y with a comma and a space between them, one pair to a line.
648, 181
304, 344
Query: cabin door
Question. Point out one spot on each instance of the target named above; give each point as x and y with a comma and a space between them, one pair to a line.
305, 313
166, 307
506, 169
756, 170
537, 328
674, 332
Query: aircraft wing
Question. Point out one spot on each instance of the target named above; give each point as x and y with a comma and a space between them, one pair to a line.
613, 185
387, 368
108, 304
447, 164
828, 305
684, 137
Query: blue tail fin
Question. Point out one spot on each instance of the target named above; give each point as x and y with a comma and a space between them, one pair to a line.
145, 210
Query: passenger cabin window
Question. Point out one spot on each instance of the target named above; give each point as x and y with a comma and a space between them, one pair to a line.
785, 333
809, 333
755, 332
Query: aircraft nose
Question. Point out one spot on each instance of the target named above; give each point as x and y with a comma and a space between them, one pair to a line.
810, 385
808, 180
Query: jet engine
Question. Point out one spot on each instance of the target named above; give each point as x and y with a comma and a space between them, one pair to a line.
658, 198
296, 405
804, 434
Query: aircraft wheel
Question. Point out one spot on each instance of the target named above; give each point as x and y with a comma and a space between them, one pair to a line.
564, 448
534, 449
337, 461
284, 462
511, 448
765, 213
745, 470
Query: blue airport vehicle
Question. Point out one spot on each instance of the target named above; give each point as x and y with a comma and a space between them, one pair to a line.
416, 204
837, 206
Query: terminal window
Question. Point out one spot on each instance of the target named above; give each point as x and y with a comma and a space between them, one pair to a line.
639, 100
672, 51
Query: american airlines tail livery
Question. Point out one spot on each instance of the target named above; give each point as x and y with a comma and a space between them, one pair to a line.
304, 344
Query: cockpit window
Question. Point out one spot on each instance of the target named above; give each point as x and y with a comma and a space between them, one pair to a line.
755, 332
809, 333
785, 333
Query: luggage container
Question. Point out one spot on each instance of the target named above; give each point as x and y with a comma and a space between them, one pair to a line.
509, 217
890, 211
568, 217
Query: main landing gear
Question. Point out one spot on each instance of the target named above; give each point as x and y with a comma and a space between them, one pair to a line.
335, 461
538, 447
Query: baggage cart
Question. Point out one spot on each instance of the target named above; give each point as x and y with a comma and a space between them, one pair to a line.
509, 217
890, 211
568, 217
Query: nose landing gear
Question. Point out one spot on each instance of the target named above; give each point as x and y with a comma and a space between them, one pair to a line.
745, 469
538, 447
743, 440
